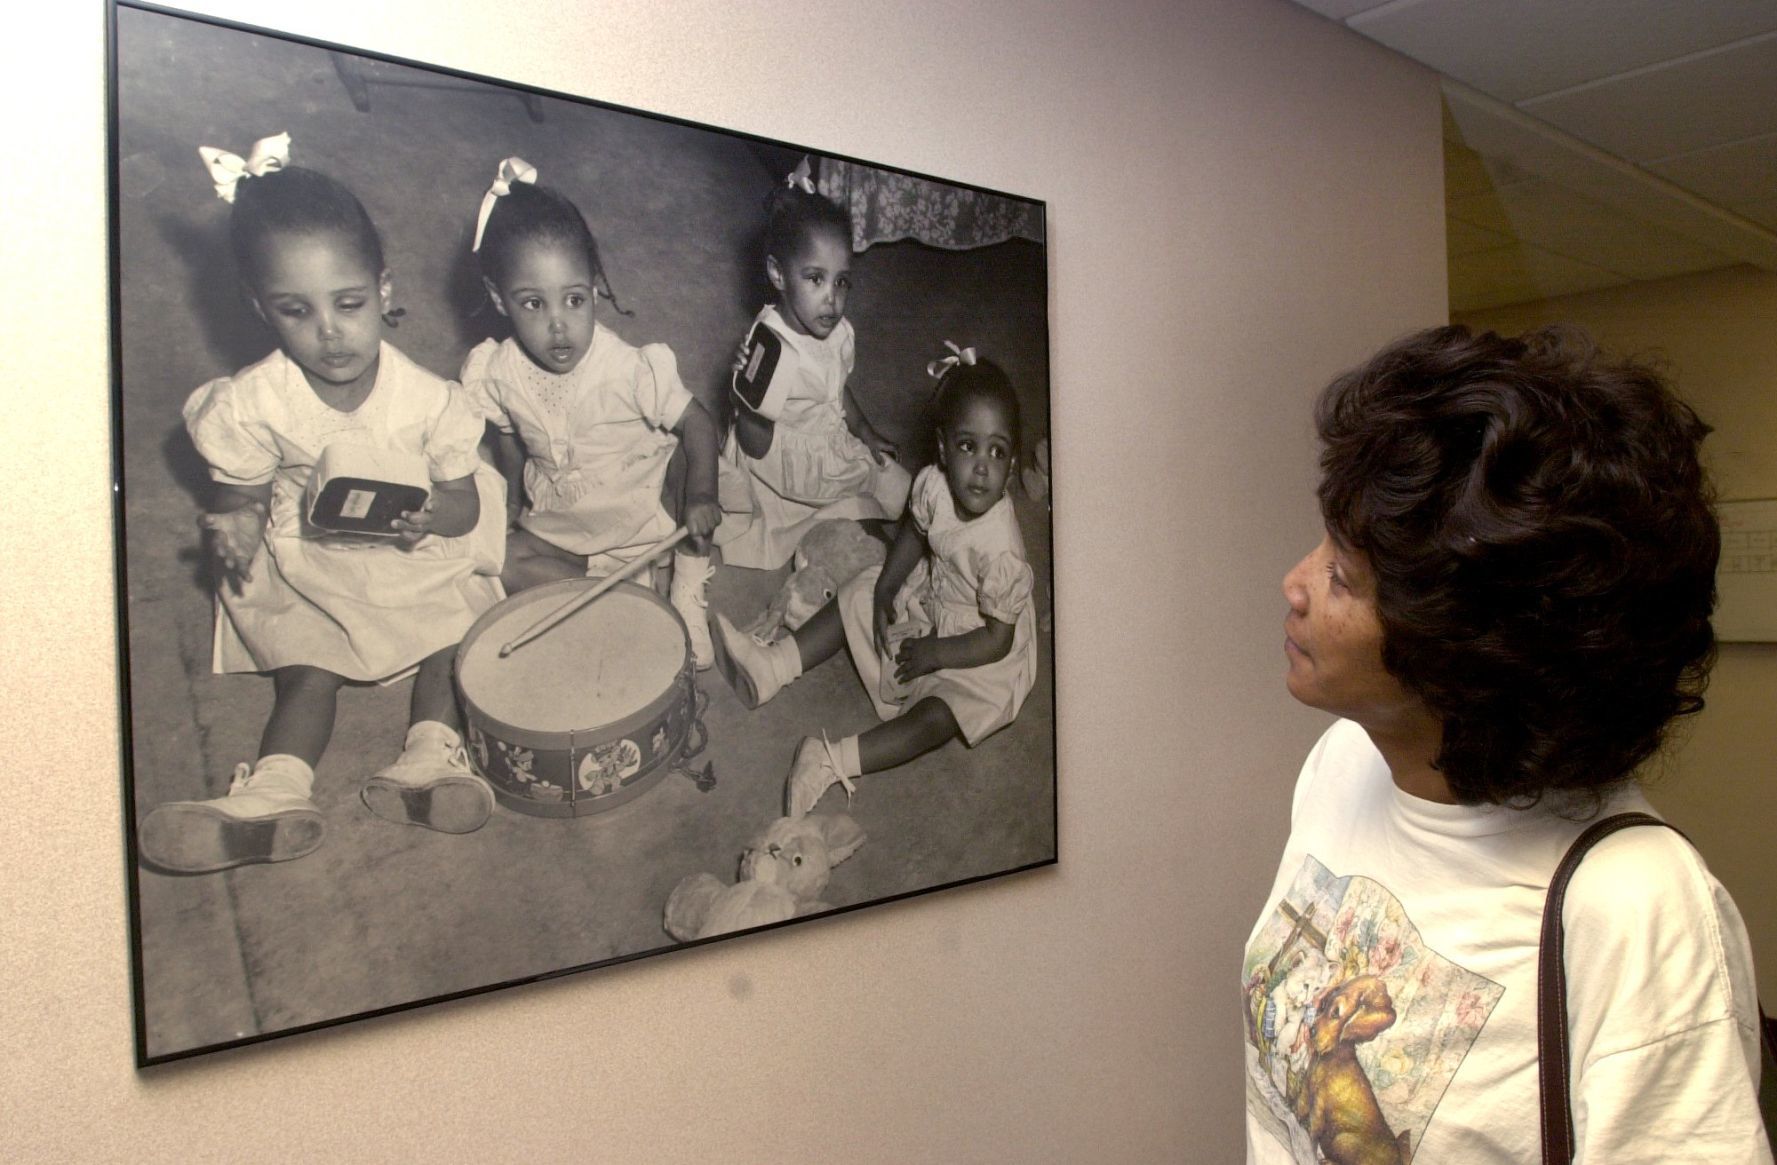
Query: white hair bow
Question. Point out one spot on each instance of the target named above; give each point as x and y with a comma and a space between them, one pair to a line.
227, 170
938, 368
801, 178
513, 169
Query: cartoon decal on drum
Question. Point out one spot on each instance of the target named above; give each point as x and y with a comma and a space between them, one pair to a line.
591, 713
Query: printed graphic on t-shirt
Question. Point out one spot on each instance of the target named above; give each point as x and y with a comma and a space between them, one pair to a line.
1354, 1027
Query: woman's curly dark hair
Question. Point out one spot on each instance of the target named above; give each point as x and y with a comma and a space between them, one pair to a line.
1544, 546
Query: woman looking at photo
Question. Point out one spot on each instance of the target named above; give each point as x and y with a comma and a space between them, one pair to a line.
1509, 609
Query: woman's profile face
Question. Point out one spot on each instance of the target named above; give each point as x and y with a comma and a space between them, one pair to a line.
1333, 638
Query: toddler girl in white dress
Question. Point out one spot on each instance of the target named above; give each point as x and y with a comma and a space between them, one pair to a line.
311, 609
943, 634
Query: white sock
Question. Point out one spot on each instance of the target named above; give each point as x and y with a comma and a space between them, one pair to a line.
786, 659
845, 754
686, 565
288, 769
432, 729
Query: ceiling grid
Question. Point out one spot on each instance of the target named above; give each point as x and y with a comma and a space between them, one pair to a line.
1594, 142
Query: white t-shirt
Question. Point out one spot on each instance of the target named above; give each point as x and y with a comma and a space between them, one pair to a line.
1390, 984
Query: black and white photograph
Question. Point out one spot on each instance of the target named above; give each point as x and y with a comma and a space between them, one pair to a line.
549, 533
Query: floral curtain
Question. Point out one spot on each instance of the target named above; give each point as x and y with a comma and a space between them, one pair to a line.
886, 206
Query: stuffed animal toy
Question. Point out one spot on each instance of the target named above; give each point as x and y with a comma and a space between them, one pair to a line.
831, 554
782, 875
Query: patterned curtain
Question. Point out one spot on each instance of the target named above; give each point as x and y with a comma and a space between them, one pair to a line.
886, 206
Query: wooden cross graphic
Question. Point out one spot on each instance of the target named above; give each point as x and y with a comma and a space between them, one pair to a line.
1303, 926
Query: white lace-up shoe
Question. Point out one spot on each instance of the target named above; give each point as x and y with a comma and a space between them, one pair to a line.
755, 671
266, 817
812, 773
689, 597
430, 784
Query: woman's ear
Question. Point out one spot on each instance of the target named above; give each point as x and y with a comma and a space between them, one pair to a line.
938, 440
774, 272
493, 293
385, 290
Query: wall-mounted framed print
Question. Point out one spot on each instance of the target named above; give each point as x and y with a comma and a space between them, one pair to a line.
549, 534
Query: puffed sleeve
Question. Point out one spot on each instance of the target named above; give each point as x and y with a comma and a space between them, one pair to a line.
453, 436
239, 447
660, 397
482, 387
926, 490
1005, 587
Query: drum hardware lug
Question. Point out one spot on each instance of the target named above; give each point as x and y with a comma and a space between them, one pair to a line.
697, 738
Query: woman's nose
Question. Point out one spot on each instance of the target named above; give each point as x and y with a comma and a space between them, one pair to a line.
1294, 592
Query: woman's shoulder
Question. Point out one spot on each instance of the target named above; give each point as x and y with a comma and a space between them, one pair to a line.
1651, 930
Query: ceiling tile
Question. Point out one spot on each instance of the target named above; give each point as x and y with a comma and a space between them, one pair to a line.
1762, 213
1554, 219
1731, 175
1516, 274
1693, 104
1518, 49
1462, 239
1340, 9
1466, 172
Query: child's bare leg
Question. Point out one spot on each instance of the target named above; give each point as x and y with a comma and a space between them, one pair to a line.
531, 562
433, 696
913, 733
821, 638
821, 763
302, 712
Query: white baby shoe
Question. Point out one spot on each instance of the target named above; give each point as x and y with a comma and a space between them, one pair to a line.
430, 784
689, 597
267, 816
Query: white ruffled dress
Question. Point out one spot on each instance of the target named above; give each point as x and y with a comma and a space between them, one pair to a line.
976, 570
363, 611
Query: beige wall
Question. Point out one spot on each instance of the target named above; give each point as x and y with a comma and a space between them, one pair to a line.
1717, 335
1243, 199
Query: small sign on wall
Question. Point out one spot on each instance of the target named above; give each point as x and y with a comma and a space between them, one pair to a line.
1746, 580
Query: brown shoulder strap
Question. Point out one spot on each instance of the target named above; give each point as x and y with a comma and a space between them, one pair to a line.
1552, 1053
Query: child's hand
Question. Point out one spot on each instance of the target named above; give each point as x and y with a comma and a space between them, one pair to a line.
416, 524
918, 657
883, 621
235, 536
740, 358
702, 516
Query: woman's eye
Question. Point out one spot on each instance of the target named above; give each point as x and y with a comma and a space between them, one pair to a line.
293, 313
530, 303
844, 281
1333, 576
576, 300
349, 304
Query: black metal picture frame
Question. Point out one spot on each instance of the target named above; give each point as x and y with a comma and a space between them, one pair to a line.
678, 798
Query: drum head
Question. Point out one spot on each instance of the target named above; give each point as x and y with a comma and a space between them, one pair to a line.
606, 661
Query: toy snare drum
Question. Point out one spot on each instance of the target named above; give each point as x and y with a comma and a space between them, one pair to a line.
588, 715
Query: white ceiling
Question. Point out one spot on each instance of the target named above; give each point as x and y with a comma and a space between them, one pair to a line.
1589, 143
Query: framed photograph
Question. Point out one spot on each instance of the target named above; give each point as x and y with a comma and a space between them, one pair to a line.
458, 426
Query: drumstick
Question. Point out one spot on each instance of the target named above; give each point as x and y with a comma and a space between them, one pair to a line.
574, 604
